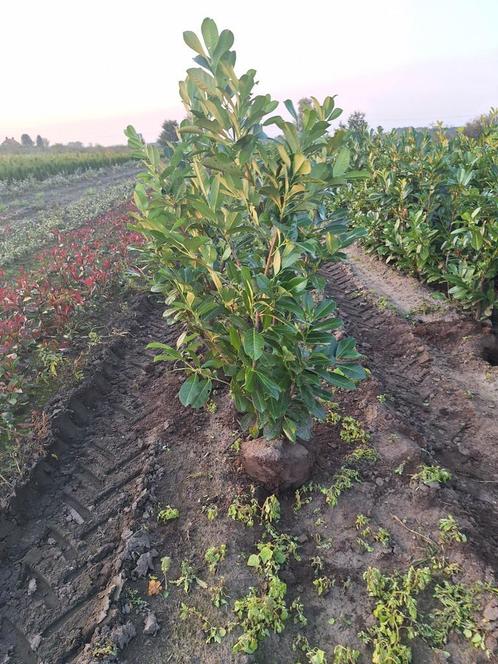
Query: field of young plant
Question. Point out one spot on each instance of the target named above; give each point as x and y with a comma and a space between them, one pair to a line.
430, 207
39, 166
58, 265
272, 462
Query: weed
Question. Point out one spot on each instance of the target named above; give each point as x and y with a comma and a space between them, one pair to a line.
383, 536
210, 406
219, 596
323, 584
188, 577
448, 530
211, 511
297, 610
167, 513
213, 633
317, 564
244, 508
345, 655
382, 398
333, 417
432, 475
302, 497
364, 545
105, 649
135, 599
270, 510
399, 470
343, 481
459, 606
214, 556
395, 611
352, 431
260, 614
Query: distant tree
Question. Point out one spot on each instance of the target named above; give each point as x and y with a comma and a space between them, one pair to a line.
357, 122
75, 145
27, 141
304, 102
10, 145
41, 142
482, 125
168, 133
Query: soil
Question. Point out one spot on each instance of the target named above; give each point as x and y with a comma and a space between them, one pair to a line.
81, 538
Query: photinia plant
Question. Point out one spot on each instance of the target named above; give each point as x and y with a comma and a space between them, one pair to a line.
237, 231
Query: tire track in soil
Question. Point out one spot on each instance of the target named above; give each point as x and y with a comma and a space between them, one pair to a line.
61, 537
423, 385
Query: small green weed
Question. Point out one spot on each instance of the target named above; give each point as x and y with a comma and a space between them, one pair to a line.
167, 513
430, 475
214, 556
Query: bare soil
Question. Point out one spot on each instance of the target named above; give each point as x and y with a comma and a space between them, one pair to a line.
81, 538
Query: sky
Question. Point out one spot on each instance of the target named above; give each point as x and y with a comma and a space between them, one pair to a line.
84, 69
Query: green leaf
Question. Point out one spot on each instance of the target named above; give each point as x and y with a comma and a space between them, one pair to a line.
210, 33
192, 40
342, 162
195, 392
290, 107
270, 385
253, 343
225, 43
189, 390
290, 430
253, 560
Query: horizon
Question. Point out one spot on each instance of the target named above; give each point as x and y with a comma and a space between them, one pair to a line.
88, 83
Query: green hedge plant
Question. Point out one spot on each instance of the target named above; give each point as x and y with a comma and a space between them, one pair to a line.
237, 230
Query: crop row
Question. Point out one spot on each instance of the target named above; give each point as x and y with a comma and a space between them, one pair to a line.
44, 308
15, 167
430, 207
22, 237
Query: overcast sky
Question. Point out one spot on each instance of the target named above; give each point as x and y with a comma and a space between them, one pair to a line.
83, 70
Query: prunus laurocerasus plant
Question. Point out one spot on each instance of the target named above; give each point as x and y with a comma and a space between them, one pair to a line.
237, 231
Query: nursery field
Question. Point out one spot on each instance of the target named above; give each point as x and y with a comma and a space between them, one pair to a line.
63, 250
44, 164
270, 446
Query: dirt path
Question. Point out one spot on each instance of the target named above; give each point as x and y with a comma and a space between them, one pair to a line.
82, 539
434, 377
61, 538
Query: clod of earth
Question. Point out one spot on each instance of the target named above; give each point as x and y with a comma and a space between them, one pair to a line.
277, 464
151, 626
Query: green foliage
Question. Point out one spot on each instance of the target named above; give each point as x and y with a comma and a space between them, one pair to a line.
270, 510
41, 165
244, 508
448, 530
188, 577
237, 230
352, 431
323, 584
211, 511
264, 612
430, 207
168, 513
432, 475
213, 633
399, 619
214, 556
343, 481
395, 611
